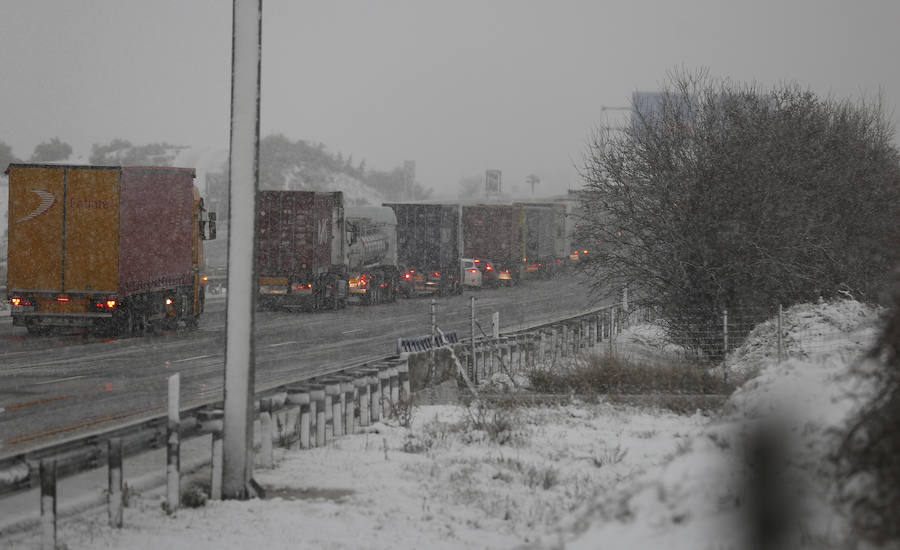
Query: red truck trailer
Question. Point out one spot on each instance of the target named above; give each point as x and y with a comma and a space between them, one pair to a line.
301, 250
494, 232
107, 247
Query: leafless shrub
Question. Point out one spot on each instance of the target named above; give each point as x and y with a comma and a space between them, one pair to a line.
726, 196
402, 410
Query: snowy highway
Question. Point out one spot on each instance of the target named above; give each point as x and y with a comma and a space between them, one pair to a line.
65, 385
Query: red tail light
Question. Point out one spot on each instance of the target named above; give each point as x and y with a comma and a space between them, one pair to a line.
472, 270
62, 298
435, 274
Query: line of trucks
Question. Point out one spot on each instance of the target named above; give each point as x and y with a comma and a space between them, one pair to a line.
120, 249
312, 252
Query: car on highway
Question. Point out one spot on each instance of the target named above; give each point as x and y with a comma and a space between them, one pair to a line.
490, 276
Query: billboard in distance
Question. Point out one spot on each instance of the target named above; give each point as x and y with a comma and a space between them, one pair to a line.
492, 182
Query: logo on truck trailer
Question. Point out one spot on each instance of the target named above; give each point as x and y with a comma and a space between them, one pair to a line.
47, 200
98, 204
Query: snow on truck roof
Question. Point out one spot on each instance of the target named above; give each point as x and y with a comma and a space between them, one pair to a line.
99, 167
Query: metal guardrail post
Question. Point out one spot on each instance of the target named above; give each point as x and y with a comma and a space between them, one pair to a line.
265, 439
374, 395
348, 403
333, 406
317, 400
361, 381
212, 420
384, 386
266, 432
115, 496
393, 387
173, 447
48, 504
299, 396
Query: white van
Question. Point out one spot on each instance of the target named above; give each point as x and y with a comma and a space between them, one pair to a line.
470, 274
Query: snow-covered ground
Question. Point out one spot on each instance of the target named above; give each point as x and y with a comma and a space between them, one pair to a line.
579, 476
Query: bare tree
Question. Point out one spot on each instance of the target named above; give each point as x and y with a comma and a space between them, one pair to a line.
727, 196
471, 187
51, 151
6, 156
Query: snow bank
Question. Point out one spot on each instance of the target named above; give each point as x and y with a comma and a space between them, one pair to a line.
698, 499
809, 331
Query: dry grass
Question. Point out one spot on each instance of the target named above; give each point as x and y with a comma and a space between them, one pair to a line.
668, 384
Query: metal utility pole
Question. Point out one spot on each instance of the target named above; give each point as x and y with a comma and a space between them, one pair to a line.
474, 367
246, 51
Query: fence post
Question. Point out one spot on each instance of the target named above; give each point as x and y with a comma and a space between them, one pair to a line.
115, 496
432, 351
725, 346
48, 504
612, 330
780, 332
173, 446
495, 341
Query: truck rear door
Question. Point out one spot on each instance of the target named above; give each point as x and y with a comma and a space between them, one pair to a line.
91, 232
36, 201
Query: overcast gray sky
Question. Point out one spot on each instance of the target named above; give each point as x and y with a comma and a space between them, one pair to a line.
456, 86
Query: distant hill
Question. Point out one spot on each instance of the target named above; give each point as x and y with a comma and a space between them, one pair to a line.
284, 164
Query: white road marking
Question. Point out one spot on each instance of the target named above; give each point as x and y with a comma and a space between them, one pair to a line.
59, 380
190, 358
352, 331
281, 344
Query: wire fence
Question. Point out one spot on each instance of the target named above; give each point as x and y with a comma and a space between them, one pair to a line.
754, 335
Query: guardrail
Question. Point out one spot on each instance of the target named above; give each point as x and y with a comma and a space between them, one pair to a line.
308, 410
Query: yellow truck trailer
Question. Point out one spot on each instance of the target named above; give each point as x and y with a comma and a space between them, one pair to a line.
113, 248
